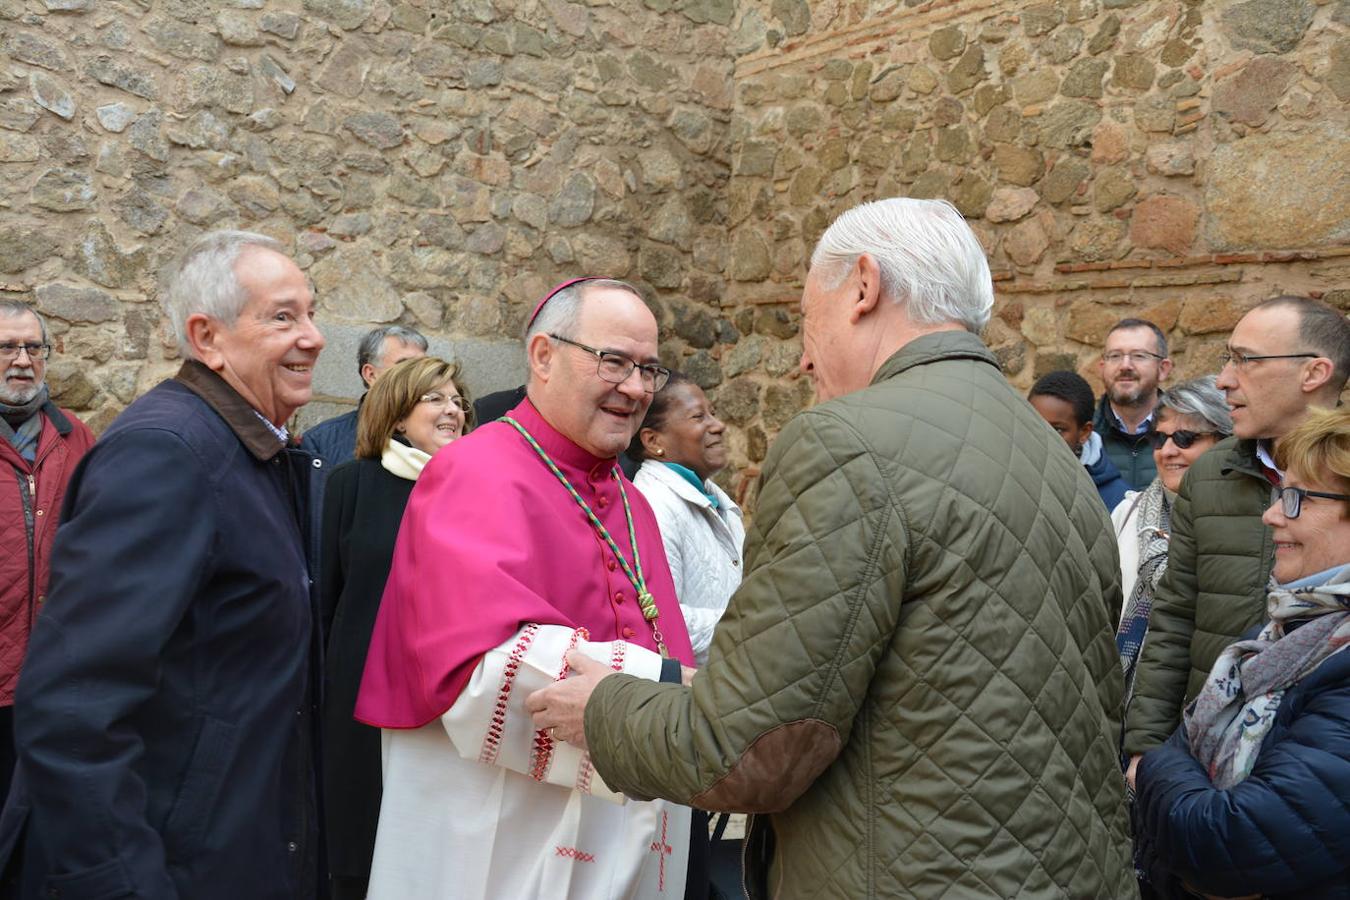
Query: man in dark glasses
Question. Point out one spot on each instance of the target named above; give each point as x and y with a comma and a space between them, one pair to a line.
1285, 356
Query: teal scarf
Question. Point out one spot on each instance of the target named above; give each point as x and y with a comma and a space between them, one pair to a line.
688, 475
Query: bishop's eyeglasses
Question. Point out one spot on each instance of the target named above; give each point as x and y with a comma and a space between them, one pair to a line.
615, 367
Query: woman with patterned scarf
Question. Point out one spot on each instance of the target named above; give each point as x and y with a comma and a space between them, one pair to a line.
1251, 796
1192, 417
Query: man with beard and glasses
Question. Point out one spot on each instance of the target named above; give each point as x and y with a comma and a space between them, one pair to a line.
41, 445
1134, 363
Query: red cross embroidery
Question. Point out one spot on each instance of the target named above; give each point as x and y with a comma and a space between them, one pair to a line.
662, 850
574, 853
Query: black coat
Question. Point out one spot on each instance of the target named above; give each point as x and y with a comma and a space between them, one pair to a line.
363, 507
166, 715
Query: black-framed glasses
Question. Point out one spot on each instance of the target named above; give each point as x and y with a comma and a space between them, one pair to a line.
1291, 499
615, 367
1182, 438
36, 352
1239, 359
1138, 357
436, 398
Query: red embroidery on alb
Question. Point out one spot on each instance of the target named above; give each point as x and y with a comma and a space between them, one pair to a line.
584, 775
616, 653
492, 741
541, 756
574, 853
662, 849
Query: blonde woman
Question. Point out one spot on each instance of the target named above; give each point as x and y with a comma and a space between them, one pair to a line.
412, 411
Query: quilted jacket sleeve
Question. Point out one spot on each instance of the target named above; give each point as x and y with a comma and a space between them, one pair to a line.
791, 662
1283, 830
1165, 661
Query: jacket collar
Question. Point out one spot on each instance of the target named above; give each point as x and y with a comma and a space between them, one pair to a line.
234, 409
931, 348
58, 418
1240, 456
679, 486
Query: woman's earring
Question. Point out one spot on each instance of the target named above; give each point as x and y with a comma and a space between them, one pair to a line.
660, 452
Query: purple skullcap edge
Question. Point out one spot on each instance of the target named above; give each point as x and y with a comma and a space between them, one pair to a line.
553, 293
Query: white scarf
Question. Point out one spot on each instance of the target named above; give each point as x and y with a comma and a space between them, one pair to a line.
404, 461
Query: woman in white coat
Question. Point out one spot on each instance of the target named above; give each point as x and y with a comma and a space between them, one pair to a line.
680, 447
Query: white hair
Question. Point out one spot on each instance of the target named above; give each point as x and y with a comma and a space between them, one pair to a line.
930, 260
204, 280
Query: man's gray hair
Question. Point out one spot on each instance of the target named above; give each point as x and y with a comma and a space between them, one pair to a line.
368, 351
563, 309
204, 280
12, 309
1200, 398
930, 260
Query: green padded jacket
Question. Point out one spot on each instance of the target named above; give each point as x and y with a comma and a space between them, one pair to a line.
1218, 563
917, 680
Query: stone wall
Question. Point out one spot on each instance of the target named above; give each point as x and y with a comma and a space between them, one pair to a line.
433, 163
441, 164
1175, 160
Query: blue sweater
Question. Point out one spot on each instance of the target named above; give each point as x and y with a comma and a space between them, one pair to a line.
1107, 478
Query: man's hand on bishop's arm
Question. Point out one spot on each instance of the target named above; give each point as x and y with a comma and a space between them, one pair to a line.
560, 708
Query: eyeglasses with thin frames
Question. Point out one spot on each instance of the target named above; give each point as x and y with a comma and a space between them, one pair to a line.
1291, 499
1138, 357
36, 352
1182, 438
615, 367
436, 398
1240, 360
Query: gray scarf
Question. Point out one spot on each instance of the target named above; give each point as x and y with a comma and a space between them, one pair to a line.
21, 425
1236, 708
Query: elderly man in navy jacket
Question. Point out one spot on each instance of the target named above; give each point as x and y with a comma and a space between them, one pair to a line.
165, 716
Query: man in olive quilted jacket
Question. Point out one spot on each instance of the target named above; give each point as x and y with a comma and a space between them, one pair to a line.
917, 680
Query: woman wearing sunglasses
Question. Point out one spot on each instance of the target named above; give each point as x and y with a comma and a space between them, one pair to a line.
413, 410
1192, 417
1251, 796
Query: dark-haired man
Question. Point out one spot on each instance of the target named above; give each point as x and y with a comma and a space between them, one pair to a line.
1134, 363
1284, 356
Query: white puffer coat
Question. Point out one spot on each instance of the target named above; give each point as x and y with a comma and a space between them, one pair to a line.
703, 546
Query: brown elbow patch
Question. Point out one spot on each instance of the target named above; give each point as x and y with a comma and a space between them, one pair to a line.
774, 770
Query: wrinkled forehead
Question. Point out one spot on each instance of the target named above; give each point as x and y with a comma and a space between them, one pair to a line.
20, 326
1272, 329
1140, 338
615, 319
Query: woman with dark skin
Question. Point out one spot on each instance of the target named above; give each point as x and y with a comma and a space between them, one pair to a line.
413, 410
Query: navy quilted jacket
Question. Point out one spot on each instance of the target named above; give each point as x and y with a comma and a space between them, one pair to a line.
1284, 832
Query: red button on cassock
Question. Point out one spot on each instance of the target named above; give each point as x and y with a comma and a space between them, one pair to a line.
627, 632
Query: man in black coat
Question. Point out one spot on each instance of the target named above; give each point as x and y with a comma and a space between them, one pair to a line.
166, 715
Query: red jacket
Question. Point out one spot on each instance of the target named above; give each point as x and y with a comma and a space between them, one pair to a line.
25, 549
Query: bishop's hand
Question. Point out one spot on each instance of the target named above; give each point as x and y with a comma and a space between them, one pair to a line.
560, 708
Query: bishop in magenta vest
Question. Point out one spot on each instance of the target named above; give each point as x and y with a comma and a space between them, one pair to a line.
521, 542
